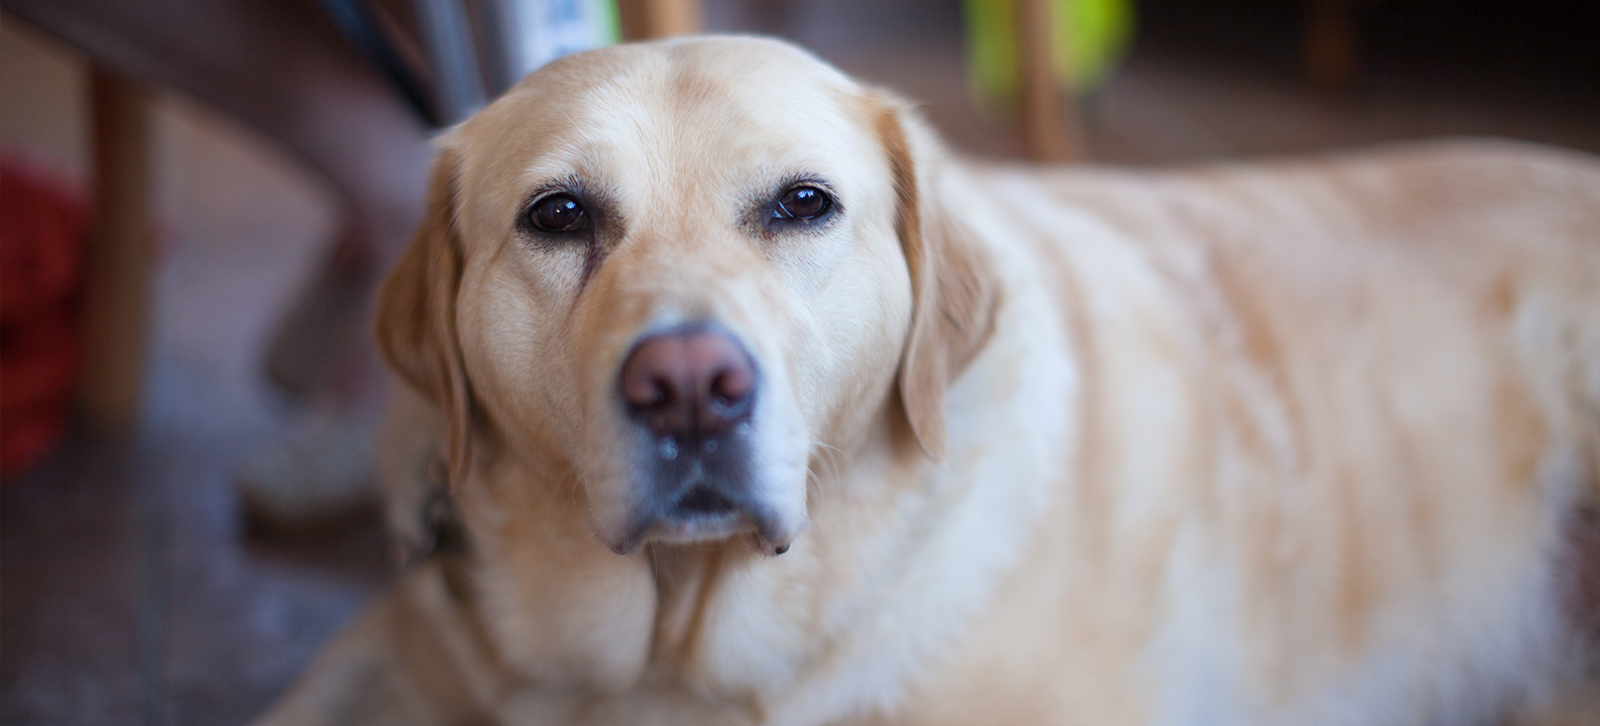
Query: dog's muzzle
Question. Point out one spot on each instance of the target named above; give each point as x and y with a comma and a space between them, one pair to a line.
693, 390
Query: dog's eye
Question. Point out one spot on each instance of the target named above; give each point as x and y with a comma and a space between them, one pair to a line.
803, 203
557, 213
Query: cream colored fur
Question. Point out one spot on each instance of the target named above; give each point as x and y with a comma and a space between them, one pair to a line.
1299, 442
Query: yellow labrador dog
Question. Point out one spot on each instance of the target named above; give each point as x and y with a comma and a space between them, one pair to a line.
759, 408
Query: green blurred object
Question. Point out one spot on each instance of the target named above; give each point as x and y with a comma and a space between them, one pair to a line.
1090, 38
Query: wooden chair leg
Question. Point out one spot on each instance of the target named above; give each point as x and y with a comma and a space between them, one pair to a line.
1049, 121
647, 19
1330, 44
117, 256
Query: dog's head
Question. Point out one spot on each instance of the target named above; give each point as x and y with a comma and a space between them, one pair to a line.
681, 271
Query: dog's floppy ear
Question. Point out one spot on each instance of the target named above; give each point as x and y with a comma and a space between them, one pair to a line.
954, 292
416, 313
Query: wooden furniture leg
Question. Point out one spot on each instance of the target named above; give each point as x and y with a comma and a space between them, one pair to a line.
1330, 44
1049, 119
647, 19
117, 255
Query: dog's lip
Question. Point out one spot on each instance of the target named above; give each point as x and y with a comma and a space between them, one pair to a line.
699, 528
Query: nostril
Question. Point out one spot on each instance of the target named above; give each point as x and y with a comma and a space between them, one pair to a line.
732, 383
728, 393
641, 390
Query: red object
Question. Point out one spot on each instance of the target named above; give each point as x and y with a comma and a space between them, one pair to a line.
42, 223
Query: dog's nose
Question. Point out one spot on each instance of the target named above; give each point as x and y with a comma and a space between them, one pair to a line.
690, 384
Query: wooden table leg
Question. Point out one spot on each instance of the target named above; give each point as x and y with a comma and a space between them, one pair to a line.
647, 19
1330, 44
1049, 119
117, 255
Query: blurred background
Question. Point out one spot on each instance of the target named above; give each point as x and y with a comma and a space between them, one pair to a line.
199, 194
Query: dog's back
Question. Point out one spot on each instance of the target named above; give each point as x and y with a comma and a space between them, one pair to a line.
1340, 430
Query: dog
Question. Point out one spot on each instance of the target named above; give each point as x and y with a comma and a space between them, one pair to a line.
750, 404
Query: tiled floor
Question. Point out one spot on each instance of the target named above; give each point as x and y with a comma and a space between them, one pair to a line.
132, 593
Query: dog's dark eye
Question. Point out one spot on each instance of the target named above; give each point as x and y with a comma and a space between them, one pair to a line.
803, 203
557, 213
